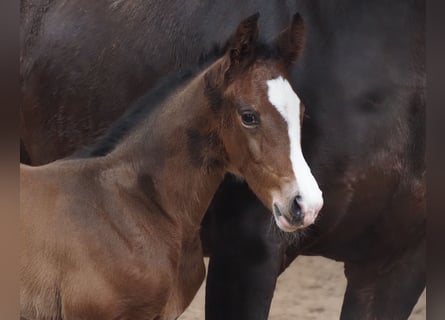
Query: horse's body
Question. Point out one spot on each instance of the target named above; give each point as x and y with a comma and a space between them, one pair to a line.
362, 79
91, 251
113, 233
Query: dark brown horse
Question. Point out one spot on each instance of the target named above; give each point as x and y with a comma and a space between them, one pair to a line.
114, 234
362, 80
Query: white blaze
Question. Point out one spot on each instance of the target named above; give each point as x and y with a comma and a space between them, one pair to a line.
285, 100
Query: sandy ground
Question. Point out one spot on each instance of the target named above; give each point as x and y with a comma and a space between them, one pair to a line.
311, 288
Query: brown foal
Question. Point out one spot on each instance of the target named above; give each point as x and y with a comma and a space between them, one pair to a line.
115, 235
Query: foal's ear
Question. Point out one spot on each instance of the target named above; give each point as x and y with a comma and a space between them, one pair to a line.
241, 49
291, 40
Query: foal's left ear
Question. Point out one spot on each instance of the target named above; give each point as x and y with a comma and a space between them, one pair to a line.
241, 49
291, 40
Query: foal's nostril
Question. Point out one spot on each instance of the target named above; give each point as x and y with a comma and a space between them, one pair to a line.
297, 214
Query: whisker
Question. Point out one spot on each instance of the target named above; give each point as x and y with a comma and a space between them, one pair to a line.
288, 237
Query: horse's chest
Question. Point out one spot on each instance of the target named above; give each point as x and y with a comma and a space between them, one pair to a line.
188, 277
181, 280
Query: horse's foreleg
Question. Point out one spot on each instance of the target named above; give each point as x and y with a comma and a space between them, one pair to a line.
246, 256
385, 289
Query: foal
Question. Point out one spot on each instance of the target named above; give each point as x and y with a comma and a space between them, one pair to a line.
116, 235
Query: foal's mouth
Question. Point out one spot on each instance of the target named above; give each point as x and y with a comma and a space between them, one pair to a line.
283, 221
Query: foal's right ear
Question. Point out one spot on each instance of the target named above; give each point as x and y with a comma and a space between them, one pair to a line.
241, 49
291, 41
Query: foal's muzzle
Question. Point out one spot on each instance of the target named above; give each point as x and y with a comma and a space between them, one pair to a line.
297, 215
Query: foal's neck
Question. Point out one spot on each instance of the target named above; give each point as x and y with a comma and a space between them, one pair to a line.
175, 157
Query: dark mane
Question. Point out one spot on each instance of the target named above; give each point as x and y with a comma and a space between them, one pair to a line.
154, 98
142, 108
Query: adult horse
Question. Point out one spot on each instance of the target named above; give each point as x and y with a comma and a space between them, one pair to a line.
362, 79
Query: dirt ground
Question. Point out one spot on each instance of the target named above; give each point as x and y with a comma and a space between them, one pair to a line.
311, 288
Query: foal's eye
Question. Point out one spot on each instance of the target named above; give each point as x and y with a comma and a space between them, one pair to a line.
250, 119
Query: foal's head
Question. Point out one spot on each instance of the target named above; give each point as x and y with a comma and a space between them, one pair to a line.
261, 119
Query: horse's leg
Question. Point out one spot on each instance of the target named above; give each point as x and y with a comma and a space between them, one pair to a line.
385, 290
246, 257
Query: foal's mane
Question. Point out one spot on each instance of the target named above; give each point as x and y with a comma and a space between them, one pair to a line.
154, 98
143, 107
